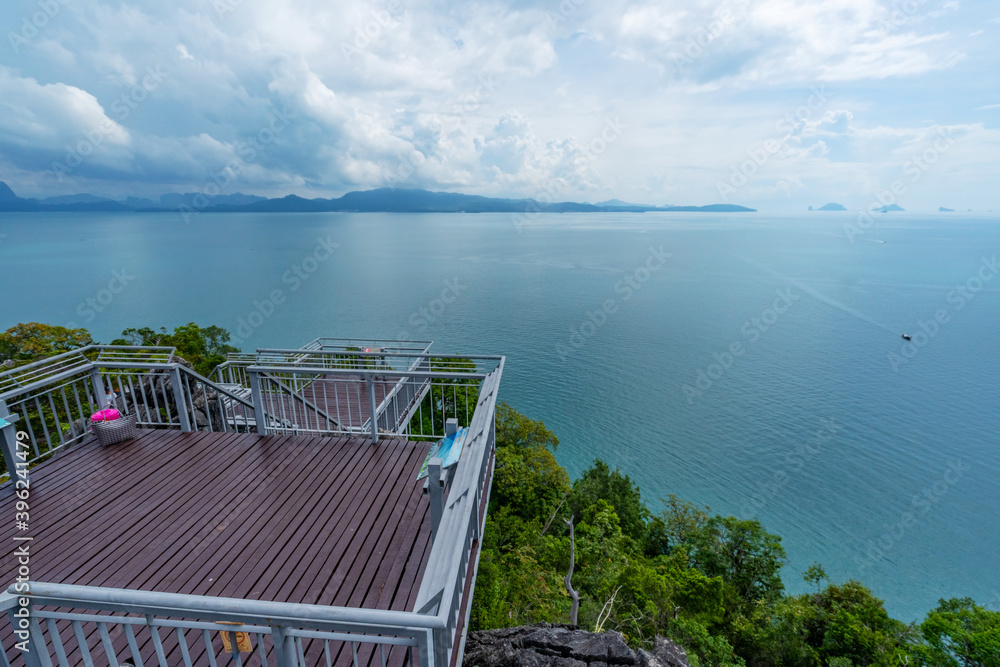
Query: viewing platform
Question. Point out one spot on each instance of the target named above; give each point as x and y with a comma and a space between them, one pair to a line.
313, 539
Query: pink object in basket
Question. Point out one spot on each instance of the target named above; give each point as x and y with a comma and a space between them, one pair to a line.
106, 415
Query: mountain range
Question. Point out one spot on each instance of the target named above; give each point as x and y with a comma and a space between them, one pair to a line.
401, 200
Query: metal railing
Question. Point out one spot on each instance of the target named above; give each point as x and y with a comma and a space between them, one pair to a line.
335, 352
454, 557
169, 629
376, 393
54, 398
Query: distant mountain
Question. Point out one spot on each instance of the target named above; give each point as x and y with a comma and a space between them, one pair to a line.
891, 208
946, 210
832, 206
616, 203
193, 199
6, 194
384, 200
73, 199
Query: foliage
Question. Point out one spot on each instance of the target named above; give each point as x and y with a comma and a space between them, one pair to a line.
456, 397
616, 489
960, 632
31, 341
204, 347
711, 583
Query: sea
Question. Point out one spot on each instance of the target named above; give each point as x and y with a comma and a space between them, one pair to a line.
749, 362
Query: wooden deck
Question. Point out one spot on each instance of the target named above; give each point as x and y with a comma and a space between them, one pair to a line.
333, 521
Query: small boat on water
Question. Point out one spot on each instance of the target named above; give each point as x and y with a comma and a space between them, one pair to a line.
907, 337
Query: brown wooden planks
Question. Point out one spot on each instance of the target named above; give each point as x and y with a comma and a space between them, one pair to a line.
292, 518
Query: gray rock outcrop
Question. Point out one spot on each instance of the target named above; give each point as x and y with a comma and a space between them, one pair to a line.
548, 645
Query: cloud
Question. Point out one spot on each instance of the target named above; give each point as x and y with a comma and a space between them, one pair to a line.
483, 96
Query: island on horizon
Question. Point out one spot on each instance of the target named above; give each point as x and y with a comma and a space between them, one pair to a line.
380, 200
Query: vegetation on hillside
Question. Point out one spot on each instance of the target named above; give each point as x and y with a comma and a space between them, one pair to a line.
712, 583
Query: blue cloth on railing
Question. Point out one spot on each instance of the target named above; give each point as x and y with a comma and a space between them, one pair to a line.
449, 450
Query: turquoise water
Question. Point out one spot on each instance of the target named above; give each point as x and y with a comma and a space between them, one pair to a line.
881, 470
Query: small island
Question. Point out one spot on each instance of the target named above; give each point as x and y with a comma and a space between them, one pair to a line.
891, 208
942, 209
832, 206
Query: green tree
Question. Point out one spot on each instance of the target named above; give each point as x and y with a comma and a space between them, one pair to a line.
744, 555
815, 574
204, 347
599, 482
31, 341
527, 480
960, 633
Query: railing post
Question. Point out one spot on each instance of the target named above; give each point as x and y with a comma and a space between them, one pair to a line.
442, 643
258, 403
284, 656
435, 493
37, 654
425, 649
370, 379
180, 397
8, 440
100, 391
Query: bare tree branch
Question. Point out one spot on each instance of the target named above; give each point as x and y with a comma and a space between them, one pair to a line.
569, 575
553, 517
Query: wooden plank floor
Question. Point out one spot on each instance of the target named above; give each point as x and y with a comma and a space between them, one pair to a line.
334, 521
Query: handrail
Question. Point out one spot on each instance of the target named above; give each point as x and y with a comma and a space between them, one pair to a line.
180, 604
443, 581
215, 387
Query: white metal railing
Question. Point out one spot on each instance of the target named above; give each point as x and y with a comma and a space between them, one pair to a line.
454, 557
68, 625
374, 393
54, 399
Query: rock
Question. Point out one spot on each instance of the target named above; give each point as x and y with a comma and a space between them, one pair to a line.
548, 645
665, 653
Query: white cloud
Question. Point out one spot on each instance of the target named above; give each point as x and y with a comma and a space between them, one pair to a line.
488, 97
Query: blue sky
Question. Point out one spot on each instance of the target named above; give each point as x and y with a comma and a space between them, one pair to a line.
777, 104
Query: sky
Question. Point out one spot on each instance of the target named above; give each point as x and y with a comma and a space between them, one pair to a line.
776, 104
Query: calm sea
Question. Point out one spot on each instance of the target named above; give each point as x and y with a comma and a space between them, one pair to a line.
753, 364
